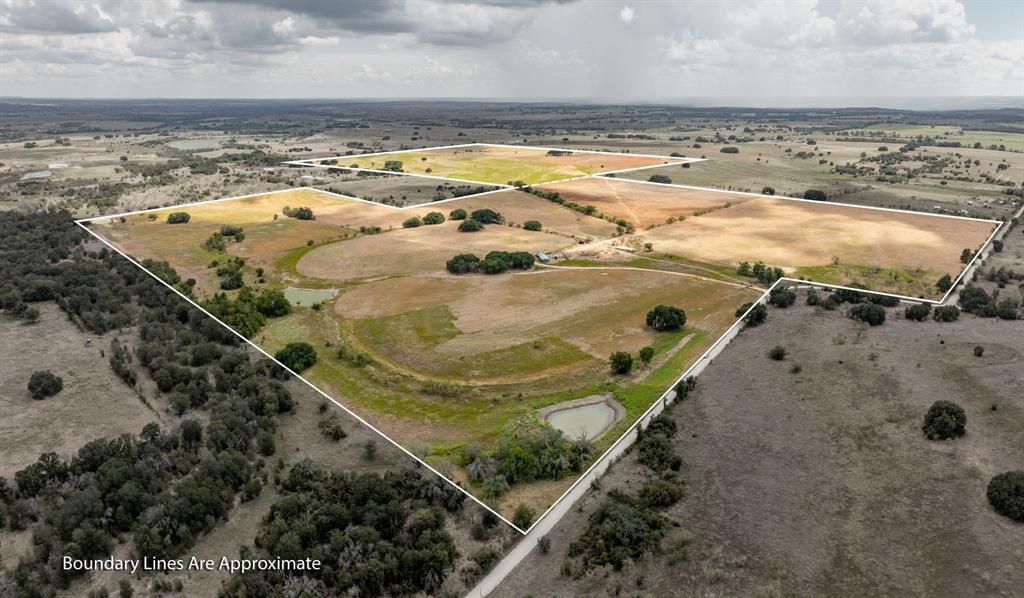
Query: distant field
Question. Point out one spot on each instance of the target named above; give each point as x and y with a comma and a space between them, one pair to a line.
501, 346
643, 205
501, 165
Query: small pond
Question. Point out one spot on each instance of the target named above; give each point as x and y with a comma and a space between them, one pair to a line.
307, 297
583, 420
194, 144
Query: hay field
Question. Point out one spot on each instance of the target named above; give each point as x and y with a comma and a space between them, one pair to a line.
888, 251
502, 164
643, 205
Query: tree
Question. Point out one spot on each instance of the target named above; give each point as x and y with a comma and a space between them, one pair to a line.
757, 316
457, 214
533, 225
918, 312
523, 517
178, 218
463, 263
815, 195
302, 213
43, 384
766, 190
433, 218
1006, 494
946, 313
297, 356
621, 362
997, 246
272, 303
944, 283
778, 353
966, 255
470, 225
730, 150
666, 317
979, 351
660, 178
487, 216
944, 420
782, 297
871, 313
647, 354
412, 222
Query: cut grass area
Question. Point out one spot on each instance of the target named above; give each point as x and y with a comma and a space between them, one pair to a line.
412, 341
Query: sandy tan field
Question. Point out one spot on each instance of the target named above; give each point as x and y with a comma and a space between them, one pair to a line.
643, 205
794, 234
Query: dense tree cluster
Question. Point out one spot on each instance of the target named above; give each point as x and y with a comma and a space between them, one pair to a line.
297, 356
531, 451
495, 262
457, 214
178, 218
946, 313
470, 226
376, 535
433, 218
764, 274
532, 225
487, 216
975, 300
781, 297
301, 213
918, 312
248, 311
871, 313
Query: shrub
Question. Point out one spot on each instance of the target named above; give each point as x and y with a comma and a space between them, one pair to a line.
661, 492
330, 427
666, 317
298, 213
656, 452
621, 362
487, 216
781, 297
178, 218
946, 313
43, 384
778, 353
533, 225
470, 225
815, 195
944, 420
1006, 494
757, 316
944, 283
660, 178
412, 222
871, 313
458, 214
768, 190
463, 263
523, 517
433, 218
813, 298
647, 354
621, 530
730, 150
979, 351
297, 356
918, 312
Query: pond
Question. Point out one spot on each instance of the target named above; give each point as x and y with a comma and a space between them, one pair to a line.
307, 297
589, 420
194, 144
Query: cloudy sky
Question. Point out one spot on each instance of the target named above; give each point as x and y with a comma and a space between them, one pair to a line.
607, 50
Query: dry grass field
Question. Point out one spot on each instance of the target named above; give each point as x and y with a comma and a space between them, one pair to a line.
643, 205
492, 164
899, 252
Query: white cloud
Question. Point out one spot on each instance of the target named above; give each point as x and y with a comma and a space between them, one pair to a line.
627, 14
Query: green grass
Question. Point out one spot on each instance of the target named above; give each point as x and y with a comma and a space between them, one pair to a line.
913, 283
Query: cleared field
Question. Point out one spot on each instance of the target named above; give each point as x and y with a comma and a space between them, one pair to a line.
394, 190
501, 164
900, 252
643, 205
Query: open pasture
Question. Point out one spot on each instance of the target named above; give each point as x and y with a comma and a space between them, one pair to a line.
643, 205
500, 164
896, 252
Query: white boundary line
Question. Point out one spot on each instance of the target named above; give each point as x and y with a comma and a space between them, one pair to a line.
81, 223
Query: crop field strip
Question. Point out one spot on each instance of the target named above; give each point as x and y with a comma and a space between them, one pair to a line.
509, 190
